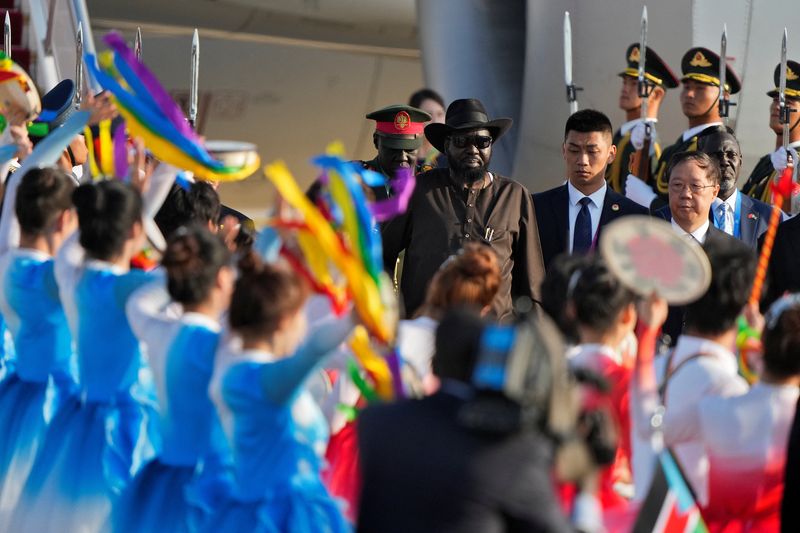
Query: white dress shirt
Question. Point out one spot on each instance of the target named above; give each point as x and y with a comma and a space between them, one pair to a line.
691, 132
713, 374
699, 234
595, 209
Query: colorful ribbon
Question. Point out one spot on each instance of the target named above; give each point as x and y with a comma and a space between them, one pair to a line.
151, 114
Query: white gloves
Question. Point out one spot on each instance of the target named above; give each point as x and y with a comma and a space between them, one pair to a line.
638, 132
778, 158
639, 191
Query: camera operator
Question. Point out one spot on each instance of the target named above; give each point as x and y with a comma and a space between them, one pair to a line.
465, 458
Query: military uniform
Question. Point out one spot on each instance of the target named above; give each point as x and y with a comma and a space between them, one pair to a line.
656, 73
757, 184
701, 65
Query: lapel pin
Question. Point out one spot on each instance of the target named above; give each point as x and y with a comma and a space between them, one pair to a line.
752, 216
615, 207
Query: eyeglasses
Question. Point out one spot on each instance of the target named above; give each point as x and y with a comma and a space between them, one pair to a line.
480, 142
695, 188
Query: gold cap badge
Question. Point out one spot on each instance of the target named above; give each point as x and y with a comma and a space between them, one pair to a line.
402, 120
699, 60
635, 55
790, 75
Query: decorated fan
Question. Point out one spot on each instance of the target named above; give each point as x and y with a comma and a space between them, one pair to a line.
150, 113
648, 256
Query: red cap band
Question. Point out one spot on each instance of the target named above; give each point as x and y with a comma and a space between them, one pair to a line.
402, 125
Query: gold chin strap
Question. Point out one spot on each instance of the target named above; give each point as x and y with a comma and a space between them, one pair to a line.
632, 72
705, 78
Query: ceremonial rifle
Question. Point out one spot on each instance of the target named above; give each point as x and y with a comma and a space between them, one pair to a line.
644, 88
572, 90
781, 186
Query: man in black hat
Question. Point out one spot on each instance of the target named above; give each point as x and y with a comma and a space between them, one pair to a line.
757, 185
699, 103
398, 136
570, 217
629, 138
462, 203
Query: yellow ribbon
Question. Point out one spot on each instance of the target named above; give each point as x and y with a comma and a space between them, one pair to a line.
373, 363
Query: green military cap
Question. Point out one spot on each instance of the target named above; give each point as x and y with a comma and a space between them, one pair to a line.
655, 69
792, 80
701, 64
401, 126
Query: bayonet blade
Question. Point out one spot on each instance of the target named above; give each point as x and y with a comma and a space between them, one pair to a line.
79, 66
137, 44
723, 61
642, 85
572, 97
195, 74
784, 112
7, 36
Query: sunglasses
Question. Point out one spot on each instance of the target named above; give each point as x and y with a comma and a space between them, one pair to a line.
478, 141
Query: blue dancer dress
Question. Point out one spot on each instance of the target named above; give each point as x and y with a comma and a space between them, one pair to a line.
279, 437
30, 303
89, 448
174, 491
43, 346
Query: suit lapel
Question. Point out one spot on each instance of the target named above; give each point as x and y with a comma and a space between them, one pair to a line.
747, 225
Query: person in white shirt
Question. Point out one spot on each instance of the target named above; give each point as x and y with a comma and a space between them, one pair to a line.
469, 279
701, 366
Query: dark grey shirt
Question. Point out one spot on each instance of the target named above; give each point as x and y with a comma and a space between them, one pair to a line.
442, 216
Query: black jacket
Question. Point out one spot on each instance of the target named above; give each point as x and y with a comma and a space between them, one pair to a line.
552, 217
422, 472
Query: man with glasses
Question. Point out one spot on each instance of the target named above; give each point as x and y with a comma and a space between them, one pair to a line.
463, 203
571, 217
732, 212
693, 184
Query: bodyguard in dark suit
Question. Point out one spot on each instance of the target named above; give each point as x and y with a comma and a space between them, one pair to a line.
693, 180
424, 472
734, 213
571, 217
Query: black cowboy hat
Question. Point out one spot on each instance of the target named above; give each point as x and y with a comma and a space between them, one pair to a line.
464, 115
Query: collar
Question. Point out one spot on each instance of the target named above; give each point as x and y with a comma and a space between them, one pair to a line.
691, 132
30, 253
199, 319
628, 126
699, 234
253, 356
597, 196
578, 354
794, 145
731, 201
96, 264
689, 345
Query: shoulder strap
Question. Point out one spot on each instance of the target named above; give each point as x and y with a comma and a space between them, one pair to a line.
670, 372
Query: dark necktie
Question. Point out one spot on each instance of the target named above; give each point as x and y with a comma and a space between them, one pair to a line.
582, 240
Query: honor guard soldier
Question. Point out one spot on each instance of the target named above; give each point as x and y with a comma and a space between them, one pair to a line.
699, 103
399, 132
757, 185
630, 136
